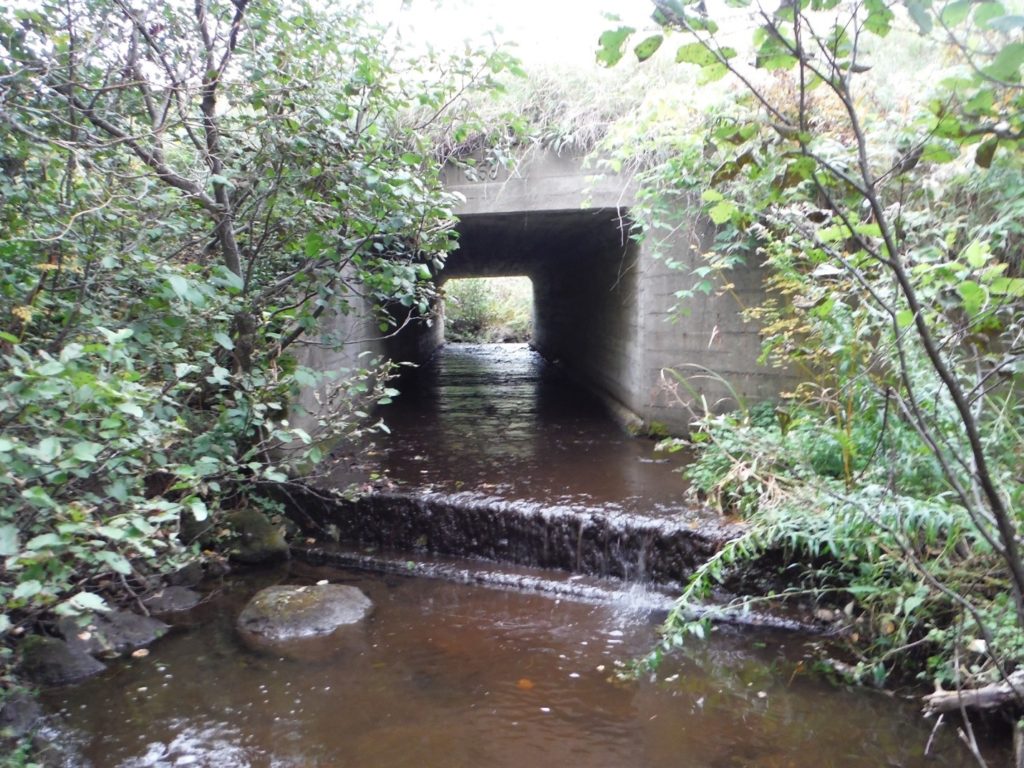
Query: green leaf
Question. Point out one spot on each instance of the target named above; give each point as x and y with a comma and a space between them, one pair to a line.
37, 495
219, 375
955, 13
975, 254
305, 377
880, 17
49, 448
695, 53
612, 45
722, 211
27, 589
42, 541
938, 153
111, 532
921, 16
1006, 65
50, 368
86, 451
712, 73
131, 409
973, 296
1008, 286
904, 318
116, 337
198, 509
985, 152
8, 540
314, 244
1006, 24
88, 601
225, 277
644, 50
179, 285
224, 340
71, 352
117, 562
986, 12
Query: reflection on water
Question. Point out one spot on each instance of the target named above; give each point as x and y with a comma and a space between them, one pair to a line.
452, 675
498, 420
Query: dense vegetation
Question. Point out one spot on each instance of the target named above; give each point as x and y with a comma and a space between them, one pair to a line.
889, 481
187, 192
488, 310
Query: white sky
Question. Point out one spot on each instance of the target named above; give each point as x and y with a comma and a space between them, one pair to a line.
545, 31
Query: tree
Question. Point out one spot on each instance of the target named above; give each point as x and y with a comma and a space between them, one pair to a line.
188, 190
902, 311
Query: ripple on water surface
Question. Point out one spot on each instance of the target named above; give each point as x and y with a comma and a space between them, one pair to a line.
498, 420
452, 675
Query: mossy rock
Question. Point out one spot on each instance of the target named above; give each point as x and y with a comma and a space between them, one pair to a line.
257, 540
116, 633
172, 599
49, 661
283, 613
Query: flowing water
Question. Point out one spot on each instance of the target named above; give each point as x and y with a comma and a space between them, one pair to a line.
498, 421
455, 676
452, 674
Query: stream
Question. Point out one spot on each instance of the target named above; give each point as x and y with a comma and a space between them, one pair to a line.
487, 673
497, 420
458, 676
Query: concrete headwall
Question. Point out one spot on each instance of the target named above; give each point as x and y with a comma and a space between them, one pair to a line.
602, 303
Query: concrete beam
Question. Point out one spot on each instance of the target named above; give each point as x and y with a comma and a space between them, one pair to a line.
540, 181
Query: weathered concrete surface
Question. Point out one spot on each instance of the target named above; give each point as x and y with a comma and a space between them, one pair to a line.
658, 550
602, 302
540, 181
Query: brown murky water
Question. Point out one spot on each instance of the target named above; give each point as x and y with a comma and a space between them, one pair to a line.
499, 421
448, 675
458, 676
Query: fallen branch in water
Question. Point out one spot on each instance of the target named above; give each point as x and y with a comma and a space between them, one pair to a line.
994, 696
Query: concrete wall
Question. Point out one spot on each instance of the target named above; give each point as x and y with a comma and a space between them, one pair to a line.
540, 181
586, 316
710, 343
602, 303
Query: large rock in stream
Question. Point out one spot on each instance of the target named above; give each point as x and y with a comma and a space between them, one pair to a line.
50, 661
116, 633
284, 613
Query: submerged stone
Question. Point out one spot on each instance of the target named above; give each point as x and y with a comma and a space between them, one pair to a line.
19, 714
50, 661
112, 634
172, 600
290, 612
258, 539
189, 575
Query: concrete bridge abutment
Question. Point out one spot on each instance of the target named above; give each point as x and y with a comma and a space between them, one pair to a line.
603, 302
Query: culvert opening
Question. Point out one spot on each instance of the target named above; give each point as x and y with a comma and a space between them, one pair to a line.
488, 310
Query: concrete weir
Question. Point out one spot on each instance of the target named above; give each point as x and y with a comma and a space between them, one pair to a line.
602, 305
636, 548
